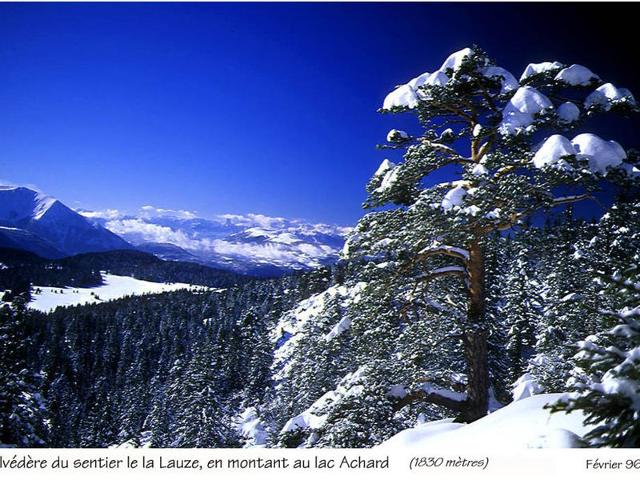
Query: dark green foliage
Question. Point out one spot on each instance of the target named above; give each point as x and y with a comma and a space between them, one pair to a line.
22, 408
171, 370
607, 381
23, 268
176, 369
607, 378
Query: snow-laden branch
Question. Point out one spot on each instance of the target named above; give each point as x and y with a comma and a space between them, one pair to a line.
505, 170
427, 392
451, 270
449, 250
447, 149
570, 199
484, 149
516, 217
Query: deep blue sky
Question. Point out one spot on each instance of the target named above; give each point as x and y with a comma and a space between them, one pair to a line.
267, 108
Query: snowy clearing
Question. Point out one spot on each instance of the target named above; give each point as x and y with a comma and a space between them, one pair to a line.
46, 299
521, 424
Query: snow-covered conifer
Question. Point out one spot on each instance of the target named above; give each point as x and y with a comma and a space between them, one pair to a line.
507, 141
607, 382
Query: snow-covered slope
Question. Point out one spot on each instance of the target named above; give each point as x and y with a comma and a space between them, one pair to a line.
46, 299
287, 333
524, 423
521, 424
251, 243
43, 225
20, 239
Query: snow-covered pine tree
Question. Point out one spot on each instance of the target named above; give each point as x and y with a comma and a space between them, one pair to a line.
607, 382
567, 315
616, 238
159, 422
362, 414
23, 413
201, 419
502, 139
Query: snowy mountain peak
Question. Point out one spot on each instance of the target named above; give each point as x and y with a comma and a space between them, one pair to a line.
21, 203
41, 224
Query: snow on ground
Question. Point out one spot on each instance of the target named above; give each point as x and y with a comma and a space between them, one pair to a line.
525, 387
251, 429
46, 299
521, 424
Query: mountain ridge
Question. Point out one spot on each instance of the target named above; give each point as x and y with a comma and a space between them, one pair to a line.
43, 225
250, 244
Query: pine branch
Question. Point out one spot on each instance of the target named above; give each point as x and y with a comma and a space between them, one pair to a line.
444, 250
506, 170
431, 397
457, 158
484, 148
516, 217
451, 270
571, 199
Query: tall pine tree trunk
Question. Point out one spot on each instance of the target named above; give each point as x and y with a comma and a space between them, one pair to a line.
475, 338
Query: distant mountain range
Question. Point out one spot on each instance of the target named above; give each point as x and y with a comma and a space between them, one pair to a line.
251, 244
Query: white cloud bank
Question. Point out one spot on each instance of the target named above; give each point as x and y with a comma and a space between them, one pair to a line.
252, 237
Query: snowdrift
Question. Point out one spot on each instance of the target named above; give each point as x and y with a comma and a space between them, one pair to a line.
521, 424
